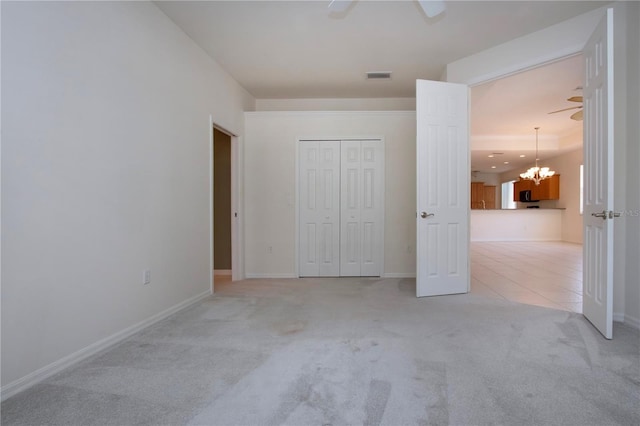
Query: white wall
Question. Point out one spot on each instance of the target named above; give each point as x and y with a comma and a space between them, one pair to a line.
105, 172
516, 225
529, 51
270, 191
568, 167
486, 178
632, 208
555, 43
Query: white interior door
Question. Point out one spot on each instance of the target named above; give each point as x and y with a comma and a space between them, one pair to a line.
319, 166
597, 297
443, 187
362, 204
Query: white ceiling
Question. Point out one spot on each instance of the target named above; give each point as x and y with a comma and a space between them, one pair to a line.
298, 49
505, 112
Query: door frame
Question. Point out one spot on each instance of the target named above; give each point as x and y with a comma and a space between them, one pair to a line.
556, 56
296, 195
237, 173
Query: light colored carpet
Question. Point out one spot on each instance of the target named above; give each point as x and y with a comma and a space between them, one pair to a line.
349, 351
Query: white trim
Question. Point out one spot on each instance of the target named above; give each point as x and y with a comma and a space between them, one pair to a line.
383, 196
286, 275
236, 222
237, 170
211, 280
627, 320
296, 201
527, 65
399, 275
222, 272
55, 367
411, 113
632, 322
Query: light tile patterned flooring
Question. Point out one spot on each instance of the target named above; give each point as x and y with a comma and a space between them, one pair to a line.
535, 273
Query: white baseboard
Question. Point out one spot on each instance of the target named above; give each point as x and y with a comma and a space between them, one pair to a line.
47, 371
628, 320
632, 322
222, 272
399, 275
250, 275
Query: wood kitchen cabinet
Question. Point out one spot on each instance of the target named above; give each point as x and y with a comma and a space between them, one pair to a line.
549, 189
489, 197
477, 195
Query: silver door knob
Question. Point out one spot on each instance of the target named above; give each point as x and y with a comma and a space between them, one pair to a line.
603, 215
425, 215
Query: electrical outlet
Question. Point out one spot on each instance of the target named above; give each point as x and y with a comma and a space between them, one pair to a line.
146, 277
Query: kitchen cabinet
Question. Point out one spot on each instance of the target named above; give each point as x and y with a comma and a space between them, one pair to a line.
549, 189
489, 197
477, 195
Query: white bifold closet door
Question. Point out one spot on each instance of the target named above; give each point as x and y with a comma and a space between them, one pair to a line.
319, 209
361, 209
341, 208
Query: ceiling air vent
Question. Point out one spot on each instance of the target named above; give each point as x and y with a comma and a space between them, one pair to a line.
378, 75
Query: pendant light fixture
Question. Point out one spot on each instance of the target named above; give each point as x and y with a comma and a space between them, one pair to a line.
537, 174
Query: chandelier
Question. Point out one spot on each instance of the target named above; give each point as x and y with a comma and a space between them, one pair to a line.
537, 174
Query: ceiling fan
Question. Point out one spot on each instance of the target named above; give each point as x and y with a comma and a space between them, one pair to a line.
575, 116
431, 7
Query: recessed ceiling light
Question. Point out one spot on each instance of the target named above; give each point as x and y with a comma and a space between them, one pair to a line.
490, 155
506, 162
493, 167
522, 156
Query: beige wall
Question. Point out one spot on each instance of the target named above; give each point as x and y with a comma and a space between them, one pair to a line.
270, 183
105, 172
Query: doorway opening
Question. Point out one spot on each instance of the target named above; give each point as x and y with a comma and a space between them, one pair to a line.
225, 241
222, 212
508, 261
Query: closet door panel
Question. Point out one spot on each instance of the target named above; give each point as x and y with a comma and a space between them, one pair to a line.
319, 216
372, 208
341, 208
350, 207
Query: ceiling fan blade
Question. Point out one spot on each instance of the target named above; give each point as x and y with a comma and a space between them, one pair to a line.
575, 99
565, 109
578, 115
339, 5
432, 7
